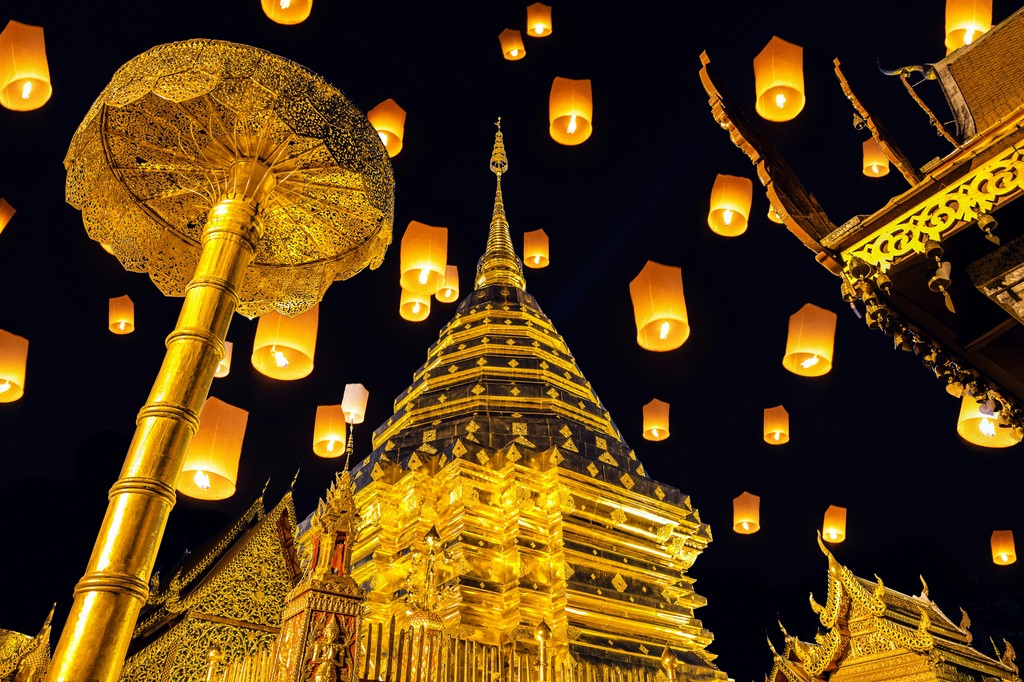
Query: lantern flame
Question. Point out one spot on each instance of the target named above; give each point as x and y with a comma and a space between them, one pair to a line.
536, 260
572, 125
121, 325
26, 90
666, 327
330, 445
5, 386
424, 276
513, 53
383, 138
777, 435
810, 362
780, 100
201, 479
727, 216
279, 357
987, 427
654, 433
969, 36
538, 30
285, 4
416, 308
831, 534
745, 525
1004, 557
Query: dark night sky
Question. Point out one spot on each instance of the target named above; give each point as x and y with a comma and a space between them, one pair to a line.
876, 435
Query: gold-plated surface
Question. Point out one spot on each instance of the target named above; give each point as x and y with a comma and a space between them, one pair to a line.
24, 658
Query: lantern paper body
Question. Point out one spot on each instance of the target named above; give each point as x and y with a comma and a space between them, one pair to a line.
775, 216
779, 80
746, 514
730, 205
1004, 552
211, 465
966, 20
329, 431
448, 288
538, 20
284, 346
353, 403
6, 213
424, 257
13, 358
224, 366
983, 429
570, 111
876, 163
834, 527
535, 249
776, 425
414, 307
121, 317
659, 307
809, 345
24, 74
287, 12
388, 119
656, 420
512, 44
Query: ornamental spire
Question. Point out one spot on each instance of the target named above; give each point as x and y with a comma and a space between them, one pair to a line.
499, 265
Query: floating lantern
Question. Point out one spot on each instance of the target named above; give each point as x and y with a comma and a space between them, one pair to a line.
776, 425
287, 12
834, 527
413, 306
211, 464
535, 249
810, 341
424, 256
329, 431
876, 163
448, 287
353, 403
656, 420
659, 307
284, 346
730, 205
1003, 551
388, 119
775, 216
224, 366
13, 358
965, 21
6, 213
570, 111
24, 74
538, 20
981, 426
746, 514
512, 44
121, 315
779, 80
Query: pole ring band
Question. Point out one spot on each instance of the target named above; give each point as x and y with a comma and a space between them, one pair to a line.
117, 583
204, 336
140, 485
170, 411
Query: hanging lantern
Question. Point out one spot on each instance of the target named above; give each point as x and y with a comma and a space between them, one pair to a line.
121, 316
570, 111
448, 286
776, 425
538, 20
659, 307
284, 346
13, 358
779, 80
535, 249
353, 403
876, 163
414, 307
1004, 552
211, 464
730, 205
288, 12
656, 420
424, 255
746, 514
329, 431
224, 366
775, 216
512, 44
388, 119
24, 74
6, 213
834, 528
980, 426
809, 345
965, 21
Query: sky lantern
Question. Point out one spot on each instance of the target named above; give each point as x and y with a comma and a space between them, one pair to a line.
287, 12
746, 514
659, 307
6, 213
538, 20
876, 163
809, 345
833, 529
965, 21
535, 249
656, 420
284, 346
448, 286
388, 119
570, 111
1003, 551
980, 425
353, 403
775, 216
730, 205
776, 425
13, 358
211, 464
779, 80
512, 44
413, 306
24, 74
121, 315
224, 366
424, 256
329, 431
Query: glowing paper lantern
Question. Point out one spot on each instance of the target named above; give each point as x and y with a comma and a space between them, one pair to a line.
121, 316
424, 256
287, 12
570, 111
512, 44
6, 213
1004, 552
353, 403
413, 306
13, 358
448, 288
746, 514
538, 20
329, 431
775, 216
779, 80
224, 366
388, 119
284, 346
211, 464
656, 420
535, 249
776, 425
876, 163
834, 527
659, 307
730, 205
810, 341
975, 426
965, 21
24, 74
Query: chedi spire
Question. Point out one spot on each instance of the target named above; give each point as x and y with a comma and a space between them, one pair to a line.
499, 265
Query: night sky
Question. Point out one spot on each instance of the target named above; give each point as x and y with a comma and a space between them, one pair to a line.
876, 435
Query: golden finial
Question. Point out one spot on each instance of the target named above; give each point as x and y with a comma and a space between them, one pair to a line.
499, 162
499, 264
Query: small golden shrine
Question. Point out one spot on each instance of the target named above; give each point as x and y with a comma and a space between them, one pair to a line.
24, 658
